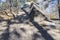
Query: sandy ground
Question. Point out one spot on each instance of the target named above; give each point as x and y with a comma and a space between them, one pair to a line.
13, 30
22, 29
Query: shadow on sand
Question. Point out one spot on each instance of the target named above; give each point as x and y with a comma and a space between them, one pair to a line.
6, 34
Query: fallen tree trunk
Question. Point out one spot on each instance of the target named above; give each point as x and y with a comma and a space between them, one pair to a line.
42, 13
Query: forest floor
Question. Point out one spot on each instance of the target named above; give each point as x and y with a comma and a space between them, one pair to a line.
16, 29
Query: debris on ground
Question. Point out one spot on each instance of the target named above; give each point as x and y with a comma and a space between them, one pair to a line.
28, 23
